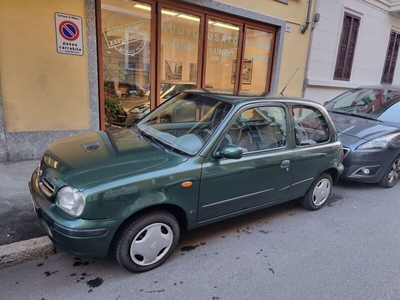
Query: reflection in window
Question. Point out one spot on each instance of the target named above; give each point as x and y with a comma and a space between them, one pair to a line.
126, 57
255, 64
222, 46
179, 49
261, 128
310, 126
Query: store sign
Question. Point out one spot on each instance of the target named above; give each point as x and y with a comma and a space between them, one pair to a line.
126, 33
69, 34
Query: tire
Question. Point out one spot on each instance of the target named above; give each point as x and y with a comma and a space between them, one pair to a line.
147, 242
392, 174
318, 193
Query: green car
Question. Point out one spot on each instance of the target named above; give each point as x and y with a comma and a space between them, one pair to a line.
196, 159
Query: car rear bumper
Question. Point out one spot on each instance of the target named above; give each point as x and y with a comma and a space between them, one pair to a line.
367, 166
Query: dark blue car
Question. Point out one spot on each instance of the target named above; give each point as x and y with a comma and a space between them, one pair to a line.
368, 123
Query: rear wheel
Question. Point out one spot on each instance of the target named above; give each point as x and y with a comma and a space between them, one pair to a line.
147, 242
392, 175
318, 192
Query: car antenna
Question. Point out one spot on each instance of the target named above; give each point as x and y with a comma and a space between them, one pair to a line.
288, 82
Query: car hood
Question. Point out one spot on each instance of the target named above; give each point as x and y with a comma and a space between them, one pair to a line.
352, 129
93, 158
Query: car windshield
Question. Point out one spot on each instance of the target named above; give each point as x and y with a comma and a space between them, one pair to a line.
184, 123
376, 104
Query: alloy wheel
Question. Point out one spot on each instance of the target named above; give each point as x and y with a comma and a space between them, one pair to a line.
394, 171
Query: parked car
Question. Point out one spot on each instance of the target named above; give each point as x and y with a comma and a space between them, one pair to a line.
368, 122
196, 159
168, 90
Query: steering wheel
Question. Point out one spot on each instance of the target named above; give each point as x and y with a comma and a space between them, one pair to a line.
300, 132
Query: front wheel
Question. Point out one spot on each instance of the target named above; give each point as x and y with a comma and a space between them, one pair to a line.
147, 242
392, 175
318, 192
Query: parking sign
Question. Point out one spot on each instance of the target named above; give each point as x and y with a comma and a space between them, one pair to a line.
69, 34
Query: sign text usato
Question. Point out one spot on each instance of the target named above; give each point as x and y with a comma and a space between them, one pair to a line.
212, 36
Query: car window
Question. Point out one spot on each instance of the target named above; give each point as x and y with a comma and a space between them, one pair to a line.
378, 104
391, 113
310, 126
184, 123
257, 129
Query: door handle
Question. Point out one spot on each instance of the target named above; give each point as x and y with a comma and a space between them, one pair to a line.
285, 164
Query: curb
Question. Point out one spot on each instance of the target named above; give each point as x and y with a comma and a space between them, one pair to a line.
20, 252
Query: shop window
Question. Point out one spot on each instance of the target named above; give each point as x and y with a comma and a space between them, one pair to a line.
391, 58
152, 51
347, 46
126, 33
179, 52
255, 64
221, 55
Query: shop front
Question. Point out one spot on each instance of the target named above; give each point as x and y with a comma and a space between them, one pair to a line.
163, 47
122, 58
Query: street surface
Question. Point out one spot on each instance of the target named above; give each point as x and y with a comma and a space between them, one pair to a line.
347, 250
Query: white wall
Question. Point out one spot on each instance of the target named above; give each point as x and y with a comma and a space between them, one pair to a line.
372, 42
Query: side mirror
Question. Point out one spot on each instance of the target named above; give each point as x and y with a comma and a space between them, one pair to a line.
231, 151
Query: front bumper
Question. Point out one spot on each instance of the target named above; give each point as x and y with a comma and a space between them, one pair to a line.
79, 237
367, 166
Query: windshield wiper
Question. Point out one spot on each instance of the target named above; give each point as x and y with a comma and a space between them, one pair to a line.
354, 115
151, 138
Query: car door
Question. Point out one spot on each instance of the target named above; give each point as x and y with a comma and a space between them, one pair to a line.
263, 174
313, 147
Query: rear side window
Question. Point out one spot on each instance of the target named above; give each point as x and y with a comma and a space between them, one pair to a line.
310, 126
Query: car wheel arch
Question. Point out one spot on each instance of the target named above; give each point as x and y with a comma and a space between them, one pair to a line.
334, 174
175, 210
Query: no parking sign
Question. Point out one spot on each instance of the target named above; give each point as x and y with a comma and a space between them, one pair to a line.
69, 34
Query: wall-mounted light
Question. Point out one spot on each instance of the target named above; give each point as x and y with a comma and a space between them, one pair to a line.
187, 17
141, 6
219, 24
168, 12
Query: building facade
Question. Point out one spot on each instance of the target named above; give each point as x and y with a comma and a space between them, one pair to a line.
355, 43
65, 65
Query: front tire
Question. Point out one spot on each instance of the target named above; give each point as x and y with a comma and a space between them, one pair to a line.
147, 242
392, 175
318, 193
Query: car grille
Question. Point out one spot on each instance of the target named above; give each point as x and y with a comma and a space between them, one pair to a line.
46, 187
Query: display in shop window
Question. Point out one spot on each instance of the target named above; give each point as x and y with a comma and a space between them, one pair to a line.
247, 71
173, 70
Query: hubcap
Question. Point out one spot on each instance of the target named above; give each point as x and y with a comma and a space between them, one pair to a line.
151, 244
321, 192
394, 171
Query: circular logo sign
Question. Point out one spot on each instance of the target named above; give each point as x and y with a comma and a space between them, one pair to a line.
68, 30
126, 33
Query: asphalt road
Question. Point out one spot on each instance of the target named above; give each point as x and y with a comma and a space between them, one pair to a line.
347, 250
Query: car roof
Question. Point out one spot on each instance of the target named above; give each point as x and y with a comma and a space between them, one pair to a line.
248, 98
380, 87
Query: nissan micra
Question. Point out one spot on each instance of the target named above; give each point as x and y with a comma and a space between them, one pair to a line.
196, 159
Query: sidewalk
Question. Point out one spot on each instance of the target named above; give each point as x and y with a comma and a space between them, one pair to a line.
22, 237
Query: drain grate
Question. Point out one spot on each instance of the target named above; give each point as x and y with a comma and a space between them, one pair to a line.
334, 198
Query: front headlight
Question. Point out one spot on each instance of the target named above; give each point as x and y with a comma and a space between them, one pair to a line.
379, 143
71, 201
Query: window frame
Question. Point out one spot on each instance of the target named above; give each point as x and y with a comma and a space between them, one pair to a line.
204, 14
345, 42
392, 53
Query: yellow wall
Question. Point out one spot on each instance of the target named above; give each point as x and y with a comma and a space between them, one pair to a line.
41, 89
295, 45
